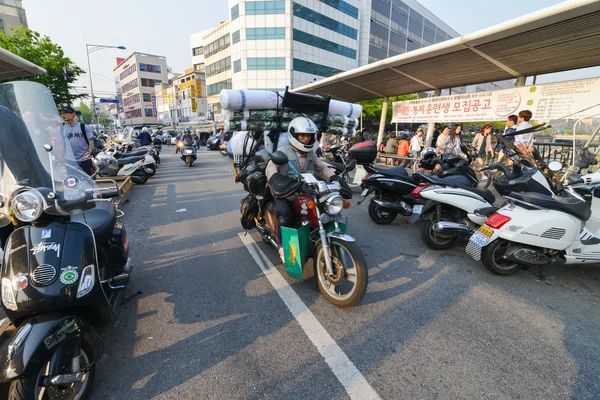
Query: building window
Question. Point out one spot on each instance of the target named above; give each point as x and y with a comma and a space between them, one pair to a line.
130, 85
323, 44
415, 23
128, 72
198, 51
314, 69
131, 100
217, 87
235, 37
237, 66
218, 45
266, 63
218, 67
149, 68
265, 7
133, 113
150, 82
235, 11
326, 22
343, 7
148, 112
147, 97
198, 67
265, 33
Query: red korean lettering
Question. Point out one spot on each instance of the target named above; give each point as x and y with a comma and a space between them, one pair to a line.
466, 105
486, 104
475, 105
456, 106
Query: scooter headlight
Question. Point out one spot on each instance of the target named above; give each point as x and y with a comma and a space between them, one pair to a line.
334, 205
8, 296
180, 144
28, 205
86, 282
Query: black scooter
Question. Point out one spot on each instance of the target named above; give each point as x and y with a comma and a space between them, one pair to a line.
65, 264
393, 187
188, 151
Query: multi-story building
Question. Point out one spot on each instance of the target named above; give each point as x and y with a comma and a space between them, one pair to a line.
12, 14
182, 100
138, 74
197, 44
217, 61
279, 43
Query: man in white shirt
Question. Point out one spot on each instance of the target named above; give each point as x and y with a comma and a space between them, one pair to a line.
416, 144
524, 142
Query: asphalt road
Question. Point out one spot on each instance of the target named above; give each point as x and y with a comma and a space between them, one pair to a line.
433, 325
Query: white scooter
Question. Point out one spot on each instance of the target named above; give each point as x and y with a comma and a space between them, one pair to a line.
453, 207
107, 165
534, 229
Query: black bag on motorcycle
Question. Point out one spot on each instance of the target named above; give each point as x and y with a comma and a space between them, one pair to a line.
249, 211
283, 186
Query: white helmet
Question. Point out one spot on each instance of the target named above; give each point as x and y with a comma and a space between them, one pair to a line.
144, 129
302, 125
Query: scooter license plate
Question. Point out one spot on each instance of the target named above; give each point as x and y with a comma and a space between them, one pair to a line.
364, 193
485, 231
418, 209
479, 239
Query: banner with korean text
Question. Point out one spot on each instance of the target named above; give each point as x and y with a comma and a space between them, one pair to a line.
547, 102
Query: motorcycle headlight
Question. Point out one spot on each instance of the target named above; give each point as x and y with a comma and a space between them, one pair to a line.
8, 296
86, 282
28, 205
180, 144
334, 205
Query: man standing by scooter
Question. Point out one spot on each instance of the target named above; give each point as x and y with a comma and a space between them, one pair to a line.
80, 137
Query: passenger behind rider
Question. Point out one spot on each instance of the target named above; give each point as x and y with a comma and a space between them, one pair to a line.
302, 134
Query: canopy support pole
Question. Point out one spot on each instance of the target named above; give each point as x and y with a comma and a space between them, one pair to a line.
431, 125
521, 80
384, 108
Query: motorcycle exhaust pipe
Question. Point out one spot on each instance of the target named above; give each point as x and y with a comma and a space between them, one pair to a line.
451, 227
400, 208
529, 256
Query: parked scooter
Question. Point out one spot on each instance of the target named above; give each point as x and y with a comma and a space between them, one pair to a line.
107, 165
338, 262
65, 264
341, 165
187, 149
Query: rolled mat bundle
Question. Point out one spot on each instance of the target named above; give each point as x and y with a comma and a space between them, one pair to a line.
270, 115
268, 125
240, 100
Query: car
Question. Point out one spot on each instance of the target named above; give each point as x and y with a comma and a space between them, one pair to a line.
214, 142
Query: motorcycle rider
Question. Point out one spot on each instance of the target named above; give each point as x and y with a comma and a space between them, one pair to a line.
144, 137
81, 142
302, 135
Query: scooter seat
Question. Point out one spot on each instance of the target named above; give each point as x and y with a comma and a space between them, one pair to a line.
485, 193
339, 167
569, 205
101, 219
129, 160
395, 171
134, 153
458, 181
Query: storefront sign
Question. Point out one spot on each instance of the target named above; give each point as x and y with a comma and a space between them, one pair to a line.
547, 102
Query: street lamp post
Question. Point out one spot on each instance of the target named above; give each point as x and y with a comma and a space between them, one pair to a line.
90, 48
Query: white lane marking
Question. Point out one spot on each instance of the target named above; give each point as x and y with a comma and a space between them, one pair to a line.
349, 376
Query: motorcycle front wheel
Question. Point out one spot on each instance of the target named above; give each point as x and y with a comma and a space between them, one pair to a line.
30, 387
348, 285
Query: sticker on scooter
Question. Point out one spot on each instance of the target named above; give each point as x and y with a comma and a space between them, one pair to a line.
68, 275
46, 233
20, 282
60, 335
15, 249
71, 182
43, 247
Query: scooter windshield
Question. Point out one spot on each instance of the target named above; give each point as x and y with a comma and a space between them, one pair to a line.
35, 154
126, 135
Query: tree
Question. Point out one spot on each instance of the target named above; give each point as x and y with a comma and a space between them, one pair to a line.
86, 113
42, 51
372, 109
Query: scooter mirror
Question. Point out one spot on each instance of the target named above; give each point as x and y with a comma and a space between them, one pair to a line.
279, 158
555, 166
47, 147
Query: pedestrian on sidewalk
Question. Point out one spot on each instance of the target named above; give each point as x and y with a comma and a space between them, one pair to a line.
416, 144
403, 149
144, 137
482, 145
392, 145
80, 137
444, 143
524, 142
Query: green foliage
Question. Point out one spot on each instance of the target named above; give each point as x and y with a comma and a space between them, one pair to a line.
372, 108
86, 113
42, 51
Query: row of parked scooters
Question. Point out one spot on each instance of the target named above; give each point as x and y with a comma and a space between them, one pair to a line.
548, 213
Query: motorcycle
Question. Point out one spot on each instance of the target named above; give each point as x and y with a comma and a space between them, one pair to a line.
107, 165
537, 229
338, 262
66, 262
188, 151
393, 187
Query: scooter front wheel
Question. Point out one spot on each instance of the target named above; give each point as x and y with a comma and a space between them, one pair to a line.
493, 257
348, 285
30, 387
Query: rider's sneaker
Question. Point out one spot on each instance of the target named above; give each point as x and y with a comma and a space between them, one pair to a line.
281, 256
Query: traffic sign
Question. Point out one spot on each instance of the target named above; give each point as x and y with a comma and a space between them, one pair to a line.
116, 101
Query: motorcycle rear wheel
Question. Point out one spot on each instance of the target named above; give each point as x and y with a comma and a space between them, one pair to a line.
380, 216
150, 169
139, 177
434, 240
29, 387
492, 257
357, 275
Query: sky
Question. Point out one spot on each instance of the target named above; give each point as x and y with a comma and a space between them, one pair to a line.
163, 28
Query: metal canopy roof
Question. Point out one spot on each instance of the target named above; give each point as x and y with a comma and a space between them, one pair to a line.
559, 38
13, 66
